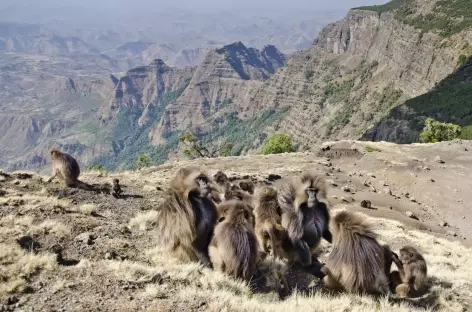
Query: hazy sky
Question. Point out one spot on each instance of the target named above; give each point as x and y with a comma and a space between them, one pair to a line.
215, 4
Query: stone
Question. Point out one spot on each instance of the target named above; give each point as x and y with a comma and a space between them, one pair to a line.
149, 188
346, 188
85, 237
411, 215
438, 160
273, 177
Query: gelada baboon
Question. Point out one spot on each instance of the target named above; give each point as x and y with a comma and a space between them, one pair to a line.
220, 178
187, 216
357, 263
304, 215
66, 168
412, 270
234, 248
117, 188
247, 186
269, 231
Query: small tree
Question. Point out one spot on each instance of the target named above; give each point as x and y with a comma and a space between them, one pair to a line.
143, 161
193, 148
435, 131
278, 143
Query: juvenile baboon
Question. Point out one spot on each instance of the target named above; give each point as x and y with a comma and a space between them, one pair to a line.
233, 191
247, 186
66, 168
304, 215
220, 178
357, 263
234, 249
269, 231
412, 270
117, 188
187, 216
366, 204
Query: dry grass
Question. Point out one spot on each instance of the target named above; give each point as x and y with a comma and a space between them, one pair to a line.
144, 221
12, 226
18, 265
87, 209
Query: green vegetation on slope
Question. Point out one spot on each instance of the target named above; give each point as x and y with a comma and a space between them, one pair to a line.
449, 102
244, 134
129, 139
448, 17
389, 6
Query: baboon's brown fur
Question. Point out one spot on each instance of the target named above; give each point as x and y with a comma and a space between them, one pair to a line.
412, 270
357, 263
234, 248
269, 231
187, 216
117, 188
305, 215
66, 168
247, 186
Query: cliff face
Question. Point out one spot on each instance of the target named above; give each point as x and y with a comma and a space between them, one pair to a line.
222, 83
356, 71
145, 88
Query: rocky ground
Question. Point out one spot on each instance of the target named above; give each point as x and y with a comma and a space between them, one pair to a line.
71, 250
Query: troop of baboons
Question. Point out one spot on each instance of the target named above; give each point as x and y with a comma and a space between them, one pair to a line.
233, 226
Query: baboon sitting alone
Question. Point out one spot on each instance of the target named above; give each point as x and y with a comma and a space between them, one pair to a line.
234, 248
304, 214
187, 216
117, 188
66, 168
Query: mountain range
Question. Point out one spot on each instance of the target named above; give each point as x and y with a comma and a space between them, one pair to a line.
376, 74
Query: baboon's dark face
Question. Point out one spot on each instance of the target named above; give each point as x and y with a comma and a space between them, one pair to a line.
408, 255
116, 181
311, 195
204, 185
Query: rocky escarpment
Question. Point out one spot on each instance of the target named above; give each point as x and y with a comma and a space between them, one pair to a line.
356, 71
145, 88
222, 84
448, 101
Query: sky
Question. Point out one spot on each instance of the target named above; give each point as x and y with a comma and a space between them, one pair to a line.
202, 4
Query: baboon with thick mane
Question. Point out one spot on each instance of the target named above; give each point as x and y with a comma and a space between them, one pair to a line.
234, 248
357, 263
269, 231
187, 216
66, 168
304, 215
412, 270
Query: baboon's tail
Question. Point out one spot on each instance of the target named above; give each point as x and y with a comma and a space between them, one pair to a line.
105, 188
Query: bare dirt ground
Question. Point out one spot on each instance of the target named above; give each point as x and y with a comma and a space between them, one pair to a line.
71, 250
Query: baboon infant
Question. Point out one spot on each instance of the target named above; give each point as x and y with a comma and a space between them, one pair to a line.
187, 216
269, 231
304, 216
357, 263
234, 248
412, 270
117, 188
66, 168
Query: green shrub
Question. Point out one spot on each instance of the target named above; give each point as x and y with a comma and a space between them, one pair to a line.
278, 143
143, 161
435, 131
96, 168
370, 149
